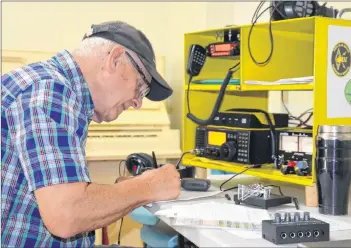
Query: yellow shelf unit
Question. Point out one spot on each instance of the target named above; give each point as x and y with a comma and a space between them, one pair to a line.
300, 50
267, 171
302, 87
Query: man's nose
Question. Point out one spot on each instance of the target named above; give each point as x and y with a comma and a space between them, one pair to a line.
137, 103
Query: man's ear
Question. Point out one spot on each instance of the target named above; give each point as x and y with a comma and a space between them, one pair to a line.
114, 58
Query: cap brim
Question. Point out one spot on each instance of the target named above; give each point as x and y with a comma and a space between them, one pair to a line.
159, 89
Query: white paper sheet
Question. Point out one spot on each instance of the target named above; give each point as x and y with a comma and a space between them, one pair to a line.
335, 225
245, 234
215, 215
300, 80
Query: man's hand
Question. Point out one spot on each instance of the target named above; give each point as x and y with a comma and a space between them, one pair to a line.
164, 182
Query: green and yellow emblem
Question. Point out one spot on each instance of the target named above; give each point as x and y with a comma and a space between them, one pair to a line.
348, 92
340, 59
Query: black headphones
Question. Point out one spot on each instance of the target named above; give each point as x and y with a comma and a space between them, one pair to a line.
282, 10
137, 163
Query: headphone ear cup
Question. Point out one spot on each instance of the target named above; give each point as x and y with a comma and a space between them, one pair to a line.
277, 10
148, 160
136, 163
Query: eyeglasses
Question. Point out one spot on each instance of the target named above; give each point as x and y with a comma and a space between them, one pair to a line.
142, 82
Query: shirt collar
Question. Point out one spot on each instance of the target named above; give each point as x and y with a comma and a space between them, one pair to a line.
69, 67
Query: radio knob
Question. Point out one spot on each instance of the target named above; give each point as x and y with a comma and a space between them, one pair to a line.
297, 217
277, 218
217, 153
306, 216
287, 217
228, 151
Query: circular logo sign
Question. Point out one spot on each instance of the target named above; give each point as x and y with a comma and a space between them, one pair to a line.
340, 59
348, 92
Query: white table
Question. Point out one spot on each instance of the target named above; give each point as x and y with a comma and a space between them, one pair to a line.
205, 237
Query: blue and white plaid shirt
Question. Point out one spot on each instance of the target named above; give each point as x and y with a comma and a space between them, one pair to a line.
46, 108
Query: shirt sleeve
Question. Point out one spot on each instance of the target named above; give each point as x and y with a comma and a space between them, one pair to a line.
46, 121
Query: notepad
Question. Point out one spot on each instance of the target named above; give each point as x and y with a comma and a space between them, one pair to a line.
215, 215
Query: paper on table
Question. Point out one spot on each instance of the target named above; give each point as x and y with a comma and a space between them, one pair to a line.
300, 80
215, 215
254, 234
335, 225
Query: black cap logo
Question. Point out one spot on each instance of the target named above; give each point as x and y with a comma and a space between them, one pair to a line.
340, 59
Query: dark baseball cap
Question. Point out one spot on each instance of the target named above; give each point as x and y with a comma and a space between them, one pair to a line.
136, 41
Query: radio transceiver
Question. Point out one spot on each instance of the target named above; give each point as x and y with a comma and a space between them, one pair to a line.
223, 49
242, 119
246, 146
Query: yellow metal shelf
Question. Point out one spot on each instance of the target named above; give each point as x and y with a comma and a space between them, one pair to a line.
211, 87
302, 48
267, 171
247, 87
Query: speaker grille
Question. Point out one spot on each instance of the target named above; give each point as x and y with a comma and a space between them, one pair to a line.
200, 140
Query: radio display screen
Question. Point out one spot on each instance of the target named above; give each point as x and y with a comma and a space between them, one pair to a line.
222, 47
216, 138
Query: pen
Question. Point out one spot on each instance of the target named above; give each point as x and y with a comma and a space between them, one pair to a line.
154, 158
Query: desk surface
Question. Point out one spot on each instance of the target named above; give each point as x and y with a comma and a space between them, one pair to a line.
205, 237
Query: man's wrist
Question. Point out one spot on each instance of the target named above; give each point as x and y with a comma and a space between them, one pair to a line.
121, 179
145, 189
137, 188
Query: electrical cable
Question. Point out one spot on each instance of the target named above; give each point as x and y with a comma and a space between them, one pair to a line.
254, 21
257, 10
299, 118
220, 187
187, 93
270, 36
119, 171
119, 232
219, 100
181, 157
296, 203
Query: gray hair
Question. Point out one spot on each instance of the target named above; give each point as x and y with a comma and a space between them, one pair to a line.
99, 47
88, 47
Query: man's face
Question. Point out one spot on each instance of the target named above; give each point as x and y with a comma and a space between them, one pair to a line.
122, 83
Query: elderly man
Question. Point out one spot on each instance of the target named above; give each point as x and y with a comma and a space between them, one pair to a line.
47, 197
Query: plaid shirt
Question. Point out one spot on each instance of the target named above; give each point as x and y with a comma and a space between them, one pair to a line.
45, 113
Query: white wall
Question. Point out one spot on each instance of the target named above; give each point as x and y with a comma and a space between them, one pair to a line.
56, 26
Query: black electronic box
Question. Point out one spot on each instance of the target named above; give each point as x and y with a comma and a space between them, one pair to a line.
295, 228
295, 150
230, 118
234, 145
